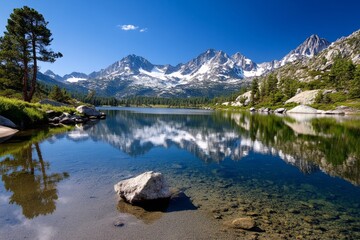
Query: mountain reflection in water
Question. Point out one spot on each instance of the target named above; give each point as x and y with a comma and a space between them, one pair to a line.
272, 168
311, 143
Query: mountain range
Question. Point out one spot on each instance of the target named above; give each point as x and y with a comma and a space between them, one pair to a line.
210, 74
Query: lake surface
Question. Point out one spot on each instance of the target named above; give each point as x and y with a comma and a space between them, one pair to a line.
297, 176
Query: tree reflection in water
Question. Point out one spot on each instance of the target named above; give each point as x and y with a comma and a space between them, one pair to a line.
27, 178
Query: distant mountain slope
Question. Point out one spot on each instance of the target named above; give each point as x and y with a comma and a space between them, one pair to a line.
211, 73
47, 80
313, 67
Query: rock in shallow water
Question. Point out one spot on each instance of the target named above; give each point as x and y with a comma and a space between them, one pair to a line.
145, 187
243, 223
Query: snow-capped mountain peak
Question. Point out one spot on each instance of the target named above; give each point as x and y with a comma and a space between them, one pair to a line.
309, 48
211, 73
53, 75
129, 65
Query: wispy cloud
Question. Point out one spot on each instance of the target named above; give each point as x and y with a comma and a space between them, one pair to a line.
128, 27
131, 27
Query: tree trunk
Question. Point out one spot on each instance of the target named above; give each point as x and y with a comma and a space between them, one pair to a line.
42, 163
34, 76
25, 81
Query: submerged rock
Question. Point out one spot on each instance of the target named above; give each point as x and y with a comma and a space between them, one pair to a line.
243, 223
147, 186
139, 212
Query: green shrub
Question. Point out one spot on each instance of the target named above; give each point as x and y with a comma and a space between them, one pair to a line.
21, 113
337, 97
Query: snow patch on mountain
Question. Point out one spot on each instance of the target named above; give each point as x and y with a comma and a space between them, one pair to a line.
212, 72
75, 79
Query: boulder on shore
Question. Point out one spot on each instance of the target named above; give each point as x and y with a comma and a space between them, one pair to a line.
246, 98
304, 109
7, 122
140, 189
305, 97
88, 111
280, 110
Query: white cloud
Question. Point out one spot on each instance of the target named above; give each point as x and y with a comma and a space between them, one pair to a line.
128, 27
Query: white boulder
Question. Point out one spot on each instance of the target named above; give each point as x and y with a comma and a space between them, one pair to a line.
88, 111
280, 110
305, 97
246, 96
304, 109
147, 186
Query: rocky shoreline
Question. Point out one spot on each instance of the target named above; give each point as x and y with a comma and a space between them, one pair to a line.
82, 115
305, 109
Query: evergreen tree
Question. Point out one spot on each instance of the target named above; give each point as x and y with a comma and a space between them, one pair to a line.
355, 84
271, 86
289, 87
255, 95
56, 94
342, 71
25, 42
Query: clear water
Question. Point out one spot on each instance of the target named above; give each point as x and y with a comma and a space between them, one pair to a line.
296, 176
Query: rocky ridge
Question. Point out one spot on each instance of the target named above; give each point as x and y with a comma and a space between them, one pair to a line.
210, 74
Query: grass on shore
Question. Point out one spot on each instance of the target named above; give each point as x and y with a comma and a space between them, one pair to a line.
26, 114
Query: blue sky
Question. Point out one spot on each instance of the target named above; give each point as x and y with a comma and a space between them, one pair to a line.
91, 35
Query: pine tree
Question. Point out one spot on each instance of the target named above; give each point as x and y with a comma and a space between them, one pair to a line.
26, 41
342, 71
255, 95
355, 84
56, 94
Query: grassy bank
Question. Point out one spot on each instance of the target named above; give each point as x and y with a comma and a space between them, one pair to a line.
27, 115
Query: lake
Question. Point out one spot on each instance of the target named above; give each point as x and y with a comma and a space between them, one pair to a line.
297, 176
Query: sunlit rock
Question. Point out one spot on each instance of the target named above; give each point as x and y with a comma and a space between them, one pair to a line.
88, 111
147, 186
303, 109
305, 97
